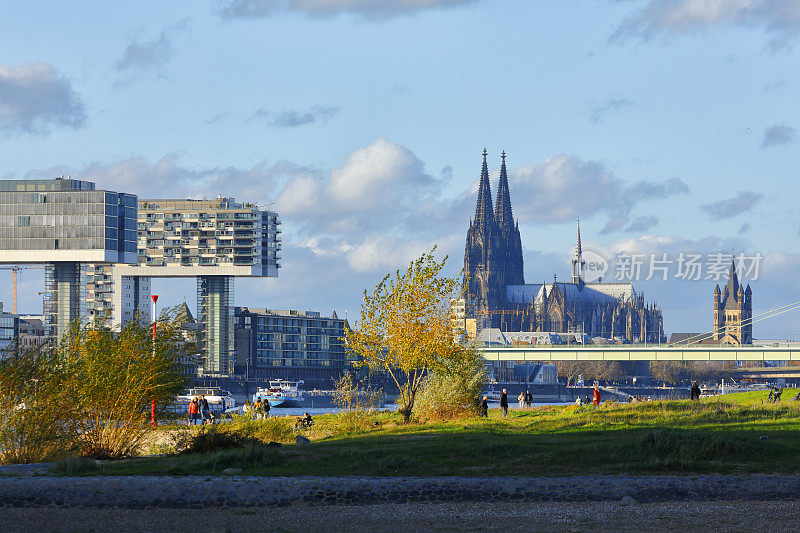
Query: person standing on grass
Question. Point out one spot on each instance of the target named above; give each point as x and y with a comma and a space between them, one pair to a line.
504, 402
694, 393
257, 409
521, 400
266, 407
528, 399
203, 409
485, 407
596, 398
193, 410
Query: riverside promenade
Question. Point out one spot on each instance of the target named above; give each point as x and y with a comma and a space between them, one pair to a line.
33, 501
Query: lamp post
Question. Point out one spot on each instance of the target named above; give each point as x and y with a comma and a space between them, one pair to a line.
153, 422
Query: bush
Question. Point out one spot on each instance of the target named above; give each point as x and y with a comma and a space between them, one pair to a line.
355, 404
33, 425
453, 392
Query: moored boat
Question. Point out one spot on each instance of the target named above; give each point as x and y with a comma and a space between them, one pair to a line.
281, 393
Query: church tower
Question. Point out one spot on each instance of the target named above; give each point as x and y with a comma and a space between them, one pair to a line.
510, 241
483, 277
733, 312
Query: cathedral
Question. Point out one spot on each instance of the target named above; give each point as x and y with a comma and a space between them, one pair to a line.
496, 294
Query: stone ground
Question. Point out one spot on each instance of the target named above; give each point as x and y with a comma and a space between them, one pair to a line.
418, 517
31, 500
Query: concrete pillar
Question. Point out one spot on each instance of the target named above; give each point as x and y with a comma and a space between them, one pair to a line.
216, 334
65, 297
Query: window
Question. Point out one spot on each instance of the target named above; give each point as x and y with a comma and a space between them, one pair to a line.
23, 220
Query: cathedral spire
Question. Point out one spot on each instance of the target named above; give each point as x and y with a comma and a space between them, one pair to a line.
503, 214
483, 210
577, 259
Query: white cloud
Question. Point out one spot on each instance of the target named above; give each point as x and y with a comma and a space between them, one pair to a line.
148, 56
778, 134
743, 202
670, 18
369, 9
34, 97
564, 187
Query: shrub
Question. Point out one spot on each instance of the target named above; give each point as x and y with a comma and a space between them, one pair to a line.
33, 427
355, 404
453, 392
113, 376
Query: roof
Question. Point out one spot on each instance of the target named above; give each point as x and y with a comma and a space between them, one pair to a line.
689, 338
603, 292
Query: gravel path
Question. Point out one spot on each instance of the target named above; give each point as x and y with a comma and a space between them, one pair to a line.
420, 517
197, 492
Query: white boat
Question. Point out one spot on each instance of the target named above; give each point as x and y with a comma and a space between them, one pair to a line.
219, 401
281, 393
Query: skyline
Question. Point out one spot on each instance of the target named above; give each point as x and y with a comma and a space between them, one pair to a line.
665, 127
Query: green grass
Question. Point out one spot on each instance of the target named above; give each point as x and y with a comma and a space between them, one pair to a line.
715, 435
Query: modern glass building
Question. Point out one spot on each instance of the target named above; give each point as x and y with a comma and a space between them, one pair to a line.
65, 224
211, 240
289, 344
9, 330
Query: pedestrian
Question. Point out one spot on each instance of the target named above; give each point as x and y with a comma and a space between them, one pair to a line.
265, 407
694, 393
586, 400
521, 399
246, 408
596, 398
504, 402
578, 401
193, 410
485, 407
203, 403
257, 409
528, 399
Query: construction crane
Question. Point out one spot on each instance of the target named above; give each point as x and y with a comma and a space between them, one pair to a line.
14, 269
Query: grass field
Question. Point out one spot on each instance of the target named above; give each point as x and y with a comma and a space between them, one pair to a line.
734, 434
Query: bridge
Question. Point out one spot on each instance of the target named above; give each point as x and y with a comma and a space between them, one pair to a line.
641, 353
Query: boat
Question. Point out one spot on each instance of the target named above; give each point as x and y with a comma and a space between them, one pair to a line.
219, 401
281, 393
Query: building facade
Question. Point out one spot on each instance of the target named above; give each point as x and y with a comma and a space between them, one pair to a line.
9, 330
497, 296
65, 224
289, 344
733, 312
213, 241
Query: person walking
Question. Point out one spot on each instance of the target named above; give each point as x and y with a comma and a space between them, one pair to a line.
203, 403
521, 400
504, 402
257, 409
694, 392
485, 407
265, 407
193, 410
596, 396
528, 399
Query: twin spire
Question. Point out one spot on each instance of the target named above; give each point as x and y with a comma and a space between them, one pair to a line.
502, 213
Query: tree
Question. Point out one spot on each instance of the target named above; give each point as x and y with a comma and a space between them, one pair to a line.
405, 327
590, 370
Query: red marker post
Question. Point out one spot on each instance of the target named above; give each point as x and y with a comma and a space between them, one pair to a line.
153, 422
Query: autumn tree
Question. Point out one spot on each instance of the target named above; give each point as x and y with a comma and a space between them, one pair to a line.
405, 327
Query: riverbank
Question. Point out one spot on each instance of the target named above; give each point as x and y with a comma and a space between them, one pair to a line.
732, 434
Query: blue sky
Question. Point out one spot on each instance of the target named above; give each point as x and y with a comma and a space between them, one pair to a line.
668, 126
